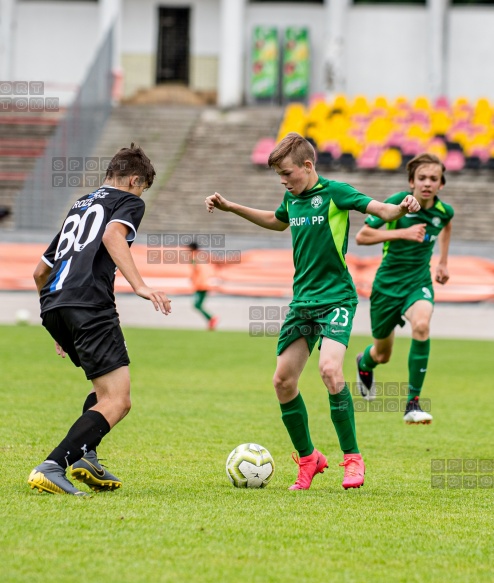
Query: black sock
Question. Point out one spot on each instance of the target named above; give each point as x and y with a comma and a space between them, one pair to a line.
84, 435
90, 401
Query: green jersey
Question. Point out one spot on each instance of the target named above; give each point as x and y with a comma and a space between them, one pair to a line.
406, 264
319, 224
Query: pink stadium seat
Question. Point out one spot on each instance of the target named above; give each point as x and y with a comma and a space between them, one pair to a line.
454, 161
261, 151
369, 158
411, 147
441, 103
332, 147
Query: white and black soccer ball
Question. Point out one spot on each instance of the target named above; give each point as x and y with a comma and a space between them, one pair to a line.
250, 466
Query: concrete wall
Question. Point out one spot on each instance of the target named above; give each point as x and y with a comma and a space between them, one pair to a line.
471, 52
387, 48
54, 42
386, 51
140, 42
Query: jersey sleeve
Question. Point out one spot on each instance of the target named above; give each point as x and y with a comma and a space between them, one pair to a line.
450, 211
281, 213
49, 255
346, 197
129, 210
377, 222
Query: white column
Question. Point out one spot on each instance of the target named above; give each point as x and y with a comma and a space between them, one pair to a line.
7, 9
109, 15
437, 15
231, 65
336, 12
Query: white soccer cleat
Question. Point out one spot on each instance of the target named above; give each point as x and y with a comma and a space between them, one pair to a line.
414, 413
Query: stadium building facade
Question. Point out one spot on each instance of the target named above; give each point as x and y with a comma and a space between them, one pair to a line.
429, 47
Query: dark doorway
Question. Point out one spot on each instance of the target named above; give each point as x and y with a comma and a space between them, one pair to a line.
173, 45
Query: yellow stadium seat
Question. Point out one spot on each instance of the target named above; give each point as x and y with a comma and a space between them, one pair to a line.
380, 103
421, 103
359, 106
438, 148
340, 103
390, 159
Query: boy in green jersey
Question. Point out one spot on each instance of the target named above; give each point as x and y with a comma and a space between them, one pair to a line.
324, 297
403, 284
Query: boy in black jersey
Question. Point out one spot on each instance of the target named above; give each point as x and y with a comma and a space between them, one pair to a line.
75, 280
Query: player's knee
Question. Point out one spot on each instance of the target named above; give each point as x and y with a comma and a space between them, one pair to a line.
421, 329
382, 357
282, 383
330, 372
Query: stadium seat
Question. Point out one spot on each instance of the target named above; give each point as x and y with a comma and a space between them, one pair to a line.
454, 161
333, 147
261, 151
359, 106
422, 103
390, 159
347, 161
369, 158
324, 158
438, 148
442, 103
473, 163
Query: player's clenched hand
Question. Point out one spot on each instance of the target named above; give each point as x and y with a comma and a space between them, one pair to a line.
159, 298
410, 204
415, 233
442, 274
216, 201
60, 351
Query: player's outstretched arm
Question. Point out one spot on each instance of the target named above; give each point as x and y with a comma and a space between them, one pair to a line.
391, 212
442, 272
116, 244
265, 219
370, 236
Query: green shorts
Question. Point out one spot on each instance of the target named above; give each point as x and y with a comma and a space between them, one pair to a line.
314, 321
387, 311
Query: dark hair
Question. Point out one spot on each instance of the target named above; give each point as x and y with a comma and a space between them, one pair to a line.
131, 162
421, 159
193, 246
293, 145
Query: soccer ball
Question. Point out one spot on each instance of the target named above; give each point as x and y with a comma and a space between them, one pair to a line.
250, 466
22, 317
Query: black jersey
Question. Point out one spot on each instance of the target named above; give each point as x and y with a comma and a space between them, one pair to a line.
83, 273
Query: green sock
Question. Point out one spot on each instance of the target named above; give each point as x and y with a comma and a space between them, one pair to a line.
418, 358
367, 363
343, 419
294, 416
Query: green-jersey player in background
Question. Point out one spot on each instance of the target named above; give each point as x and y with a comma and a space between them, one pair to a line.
403, 284
324, 297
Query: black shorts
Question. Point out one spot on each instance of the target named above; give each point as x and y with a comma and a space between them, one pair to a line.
92, 338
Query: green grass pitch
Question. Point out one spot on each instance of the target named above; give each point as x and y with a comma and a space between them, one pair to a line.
197, 395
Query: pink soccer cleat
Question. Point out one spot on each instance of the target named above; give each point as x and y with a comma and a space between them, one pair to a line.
213, 323
354, 470
308, 467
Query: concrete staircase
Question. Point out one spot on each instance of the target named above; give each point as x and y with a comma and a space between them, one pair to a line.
161, 132
23, 138
217, 158
198, 150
